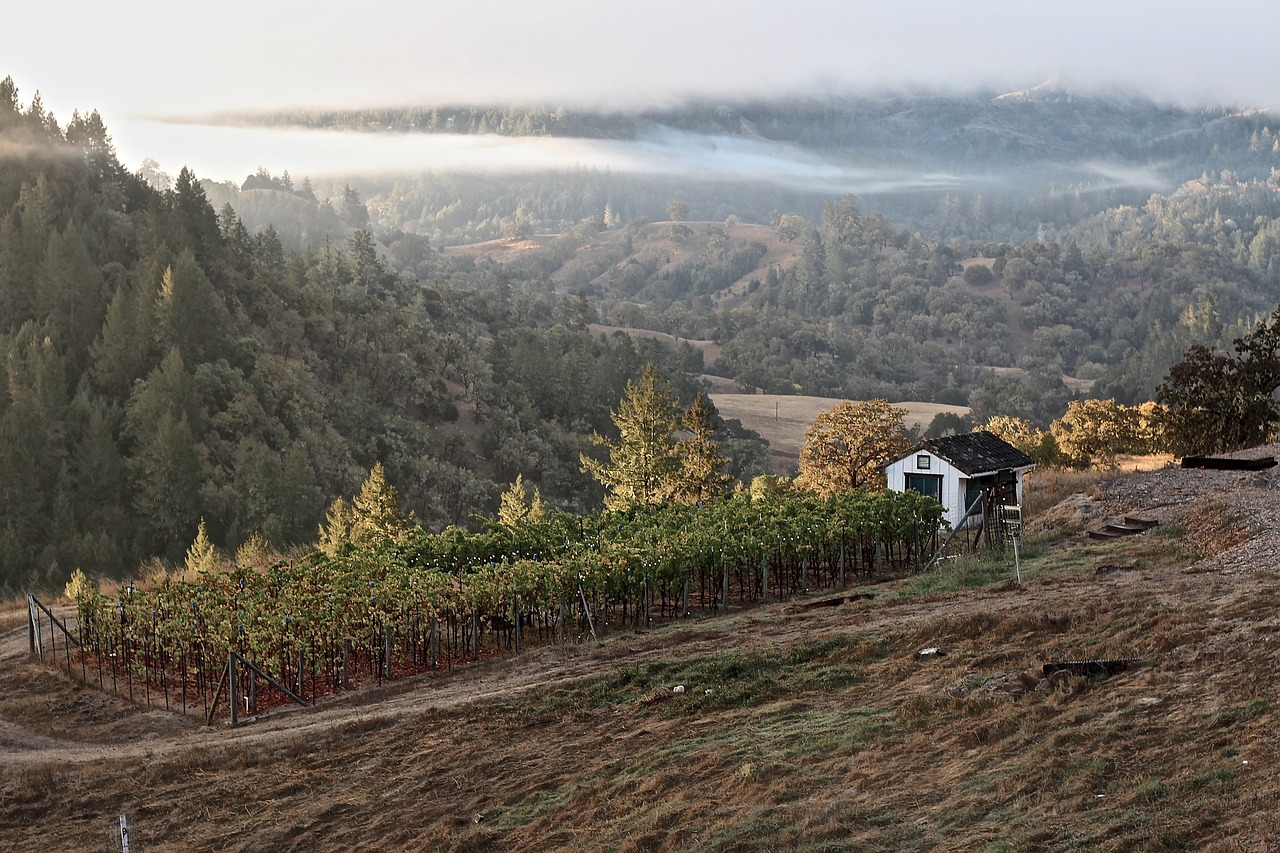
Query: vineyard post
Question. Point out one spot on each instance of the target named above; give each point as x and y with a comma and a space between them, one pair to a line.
434, 641
587, 612
646, 602
804, 573
764, 567
84, 674
515, 608
724, 595
916, 565
842, 558
386, 650
346, 651
233, 685
684, 608
475, 631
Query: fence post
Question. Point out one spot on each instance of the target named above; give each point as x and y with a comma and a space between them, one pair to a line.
31, 622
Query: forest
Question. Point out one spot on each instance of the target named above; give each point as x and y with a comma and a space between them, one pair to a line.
180, 351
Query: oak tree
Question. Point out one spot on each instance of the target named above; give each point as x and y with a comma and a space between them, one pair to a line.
848, 446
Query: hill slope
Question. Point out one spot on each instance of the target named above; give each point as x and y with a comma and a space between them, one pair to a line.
799, 728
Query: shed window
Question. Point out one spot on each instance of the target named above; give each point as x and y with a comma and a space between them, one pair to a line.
922, 462
929, 485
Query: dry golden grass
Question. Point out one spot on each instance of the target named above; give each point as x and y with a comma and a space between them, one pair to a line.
13, 612
1046, 487
782, 419
798, 729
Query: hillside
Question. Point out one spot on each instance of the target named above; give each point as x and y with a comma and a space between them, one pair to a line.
782, 419
638, 260
799, 728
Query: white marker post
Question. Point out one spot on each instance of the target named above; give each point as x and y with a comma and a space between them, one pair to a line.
1011, 516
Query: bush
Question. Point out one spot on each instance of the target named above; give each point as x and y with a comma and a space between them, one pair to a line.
77, 586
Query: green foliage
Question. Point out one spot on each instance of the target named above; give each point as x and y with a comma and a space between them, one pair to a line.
701, 477
1216, 402
644, 462
520, 504
978, 274
610, 563
168, 363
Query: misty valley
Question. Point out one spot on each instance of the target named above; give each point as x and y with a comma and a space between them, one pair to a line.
464, 294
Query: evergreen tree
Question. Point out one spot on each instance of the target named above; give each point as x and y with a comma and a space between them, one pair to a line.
519, 504
335, 532
125, 349
189, 312
202, 556
71, 293
167, 475
702, 476
643, 463
376, 510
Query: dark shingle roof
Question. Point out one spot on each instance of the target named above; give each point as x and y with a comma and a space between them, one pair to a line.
977, 453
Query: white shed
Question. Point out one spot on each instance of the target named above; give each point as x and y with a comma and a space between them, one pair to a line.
957, 469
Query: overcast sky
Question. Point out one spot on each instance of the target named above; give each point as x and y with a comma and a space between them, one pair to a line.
147, 58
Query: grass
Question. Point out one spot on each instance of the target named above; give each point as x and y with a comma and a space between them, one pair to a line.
1046, 487
729, 679
798, 729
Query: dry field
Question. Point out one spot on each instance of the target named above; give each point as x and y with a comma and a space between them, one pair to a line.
799, 728
783, 419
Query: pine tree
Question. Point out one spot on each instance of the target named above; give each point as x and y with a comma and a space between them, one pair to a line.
167, 474
202, 556
124, 350
513, 506
702, 476
254, 552
189, 312
519, 505
335, 532
643, 462
376, 511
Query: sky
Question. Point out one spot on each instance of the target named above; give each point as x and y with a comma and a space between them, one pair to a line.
146, 59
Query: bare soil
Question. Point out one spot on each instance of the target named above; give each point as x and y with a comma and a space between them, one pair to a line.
798, 728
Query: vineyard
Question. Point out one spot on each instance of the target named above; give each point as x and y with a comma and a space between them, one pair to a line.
324, 623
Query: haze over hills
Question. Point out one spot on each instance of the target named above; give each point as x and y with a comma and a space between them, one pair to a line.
959, 298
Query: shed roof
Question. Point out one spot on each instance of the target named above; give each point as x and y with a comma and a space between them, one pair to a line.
977, 453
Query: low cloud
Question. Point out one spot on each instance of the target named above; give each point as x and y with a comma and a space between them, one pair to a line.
232, 153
